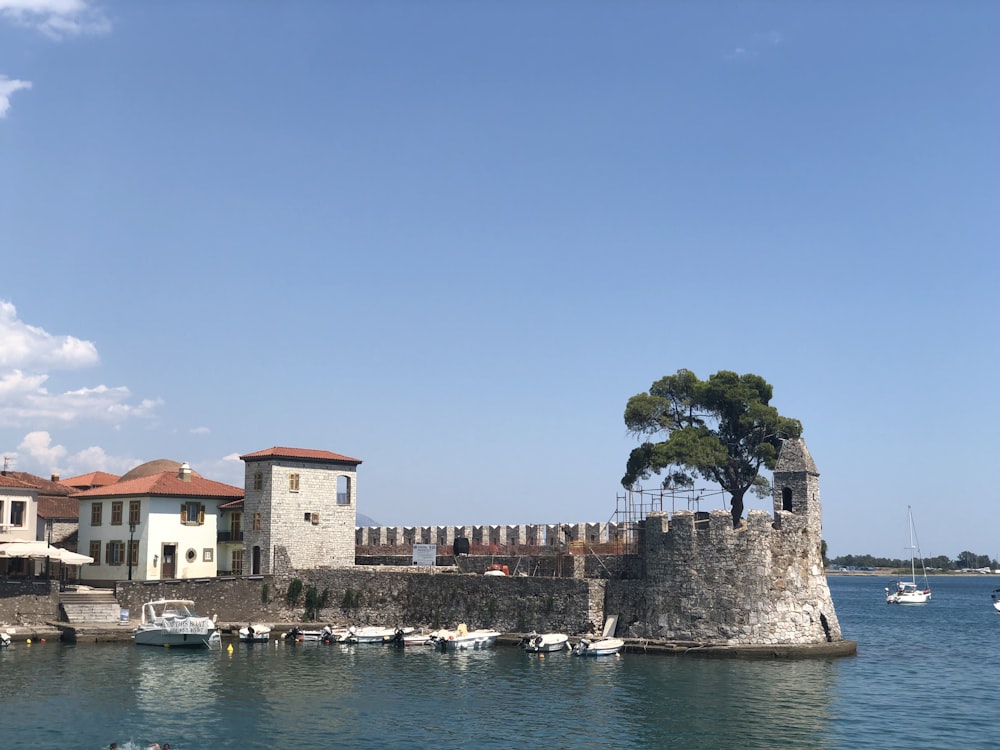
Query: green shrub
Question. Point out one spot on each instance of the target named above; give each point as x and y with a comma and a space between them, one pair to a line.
294, 591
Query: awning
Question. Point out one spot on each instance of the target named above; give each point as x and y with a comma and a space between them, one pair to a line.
43, 550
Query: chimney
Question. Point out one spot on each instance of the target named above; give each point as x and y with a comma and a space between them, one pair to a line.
184, 472
55, 477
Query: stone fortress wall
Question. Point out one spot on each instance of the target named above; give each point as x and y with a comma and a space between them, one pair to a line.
500, 537
696, 577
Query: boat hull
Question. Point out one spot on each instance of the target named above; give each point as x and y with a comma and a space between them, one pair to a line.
474, 641
546, 643
603, 647
259, 634
160, 637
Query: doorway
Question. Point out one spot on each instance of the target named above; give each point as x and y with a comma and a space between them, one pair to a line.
169, 569
255, 563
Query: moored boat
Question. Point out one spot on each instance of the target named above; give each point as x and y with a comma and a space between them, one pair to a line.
996, 599
417, 639
463, 639
174, 623
369, 634
545, 642
904, 591
255, 633
600, 647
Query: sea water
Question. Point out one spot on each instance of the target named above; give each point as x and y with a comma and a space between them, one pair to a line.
925, 676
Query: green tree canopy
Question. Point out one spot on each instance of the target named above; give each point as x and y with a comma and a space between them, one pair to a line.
721, 429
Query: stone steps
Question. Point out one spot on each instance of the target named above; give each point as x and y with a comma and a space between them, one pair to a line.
96, 606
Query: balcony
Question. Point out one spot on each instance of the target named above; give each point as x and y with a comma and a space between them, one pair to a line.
229, 536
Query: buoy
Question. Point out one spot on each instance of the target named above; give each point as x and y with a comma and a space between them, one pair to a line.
27, 642
541, 656
43, 640
229, 648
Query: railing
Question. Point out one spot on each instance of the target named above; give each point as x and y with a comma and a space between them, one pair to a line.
229, 536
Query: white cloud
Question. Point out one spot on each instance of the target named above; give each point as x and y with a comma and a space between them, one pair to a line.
27, 352
22, 345
37, 455
7, 87
200, 431
39, 446
56, 19
95, 459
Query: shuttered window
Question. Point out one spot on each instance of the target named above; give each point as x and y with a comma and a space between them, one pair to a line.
192, 514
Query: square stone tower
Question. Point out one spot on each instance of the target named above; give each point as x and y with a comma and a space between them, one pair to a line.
300, 510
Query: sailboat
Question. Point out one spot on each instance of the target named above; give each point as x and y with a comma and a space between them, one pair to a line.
904, 591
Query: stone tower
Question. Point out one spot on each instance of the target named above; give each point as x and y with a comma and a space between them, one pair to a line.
762, 584
796, 484
300, 509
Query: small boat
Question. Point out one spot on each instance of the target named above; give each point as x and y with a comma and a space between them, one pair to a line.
295, 635
902, 591
417, 639
255, 633
996, 599
600, 647
463, 639
174, 623
545, 642
369, 634
4, 640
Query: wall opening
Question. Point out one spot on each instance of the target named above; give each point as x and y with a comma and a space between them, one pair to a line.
343, 490
786, 498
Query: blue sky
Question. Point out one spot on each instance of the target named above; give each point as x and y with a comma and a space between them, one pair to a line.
452, 239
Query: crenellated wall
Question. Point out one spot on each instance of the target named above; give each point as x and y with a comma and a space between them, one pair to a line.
499, 536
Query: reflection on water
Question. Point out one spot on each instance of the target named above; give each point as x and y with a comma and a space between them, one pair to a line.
313, 695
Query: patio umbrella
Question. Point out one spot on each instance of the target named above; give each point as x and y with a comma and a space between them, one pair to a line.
43, 550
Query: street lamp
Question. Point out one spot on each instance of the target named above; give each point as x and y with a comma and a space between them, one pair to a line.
48, 560
131, 534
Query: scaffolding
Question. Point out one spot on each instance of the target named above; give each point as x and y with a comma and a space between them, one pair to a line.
636, 504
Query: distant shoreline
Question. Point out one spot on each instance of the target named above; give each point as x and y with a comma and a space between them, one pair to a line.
890, 572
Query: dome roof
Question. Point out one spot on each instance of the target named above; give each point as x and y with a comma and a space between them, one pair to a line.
158, 466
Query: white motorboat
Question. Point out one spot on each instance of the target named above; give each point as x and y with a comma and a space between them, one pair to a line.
174, 623
996, 599
300, 636
904, 591
4, 640
545, 642
255, 633
600, 647
463, 639
417, 639
369, 634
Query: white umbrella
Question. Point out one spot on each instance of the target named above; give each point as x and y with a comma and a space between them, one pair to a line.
41, 550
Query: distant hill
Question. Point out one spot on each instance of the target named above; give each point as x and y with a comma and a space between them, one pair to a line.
363, 520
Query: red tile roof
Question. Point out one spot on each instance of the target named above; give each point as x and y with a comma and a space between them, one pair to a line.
58, 507
6, 480
165, 483
299, 453
43, 485
93, 479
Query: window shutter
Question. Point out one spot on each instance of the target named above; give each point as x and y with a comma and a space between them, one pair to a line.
201, 515
107, 553
183, 513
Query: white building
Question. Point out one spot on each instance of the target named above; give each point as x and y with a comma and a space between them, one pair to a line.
158, 522
18, 510
300, 509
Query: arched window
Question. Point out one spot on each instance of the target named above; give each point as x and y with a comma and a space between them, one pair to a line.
786, 498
